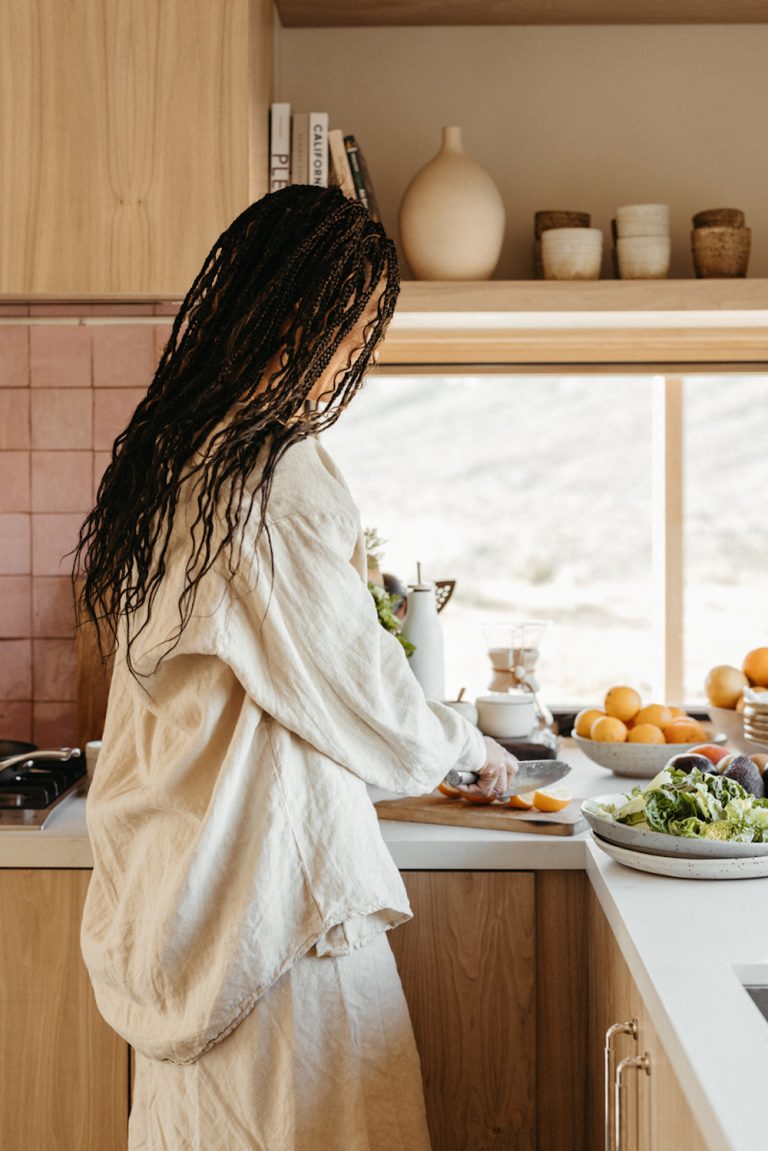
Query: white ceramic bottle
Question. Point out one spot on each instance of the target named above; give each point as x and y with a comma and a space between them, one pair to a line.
422, 628
452, 217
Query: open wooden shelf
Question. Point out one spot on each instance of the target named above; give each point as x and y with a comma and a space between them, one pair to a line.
364, 13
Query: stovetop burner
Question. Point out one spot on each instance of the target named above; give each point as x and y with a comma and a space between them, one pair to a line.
34, 785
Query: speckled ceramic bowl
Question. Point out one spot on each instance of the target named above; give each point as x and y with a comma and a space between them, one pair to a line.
639, 760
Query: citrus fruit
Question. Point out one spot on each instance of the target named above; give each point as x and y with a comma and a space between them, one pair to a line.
711, 750
724, 685
551, 799
608, 729
476, 797
524, 801
451, 792
755, 666
646, 733
622, 703
677, 712
655, 713
585, 719
684, 731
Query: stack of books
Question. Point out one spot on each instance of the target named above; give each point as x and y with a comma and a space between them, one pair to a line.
303, 150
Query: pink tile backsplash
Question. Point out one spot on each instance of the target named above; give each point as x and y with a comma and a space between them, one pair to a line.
62, 418
15, 607
66, 391
59, 356
16, 669
53, 537
15, 546
123, 355
54, 724
16, 719
14, 482
112, 410
14, 356
14, 419
61, 481
53, 610
55, 676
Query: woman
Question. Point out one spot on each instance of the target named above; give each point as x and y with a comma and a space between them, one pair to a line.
235, 923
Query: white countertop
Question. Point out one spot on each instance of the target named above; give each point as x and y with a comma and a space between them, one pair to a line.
683, 940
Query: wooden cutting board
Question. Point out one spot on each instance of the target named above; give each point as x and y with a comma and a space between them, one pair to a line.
437, 808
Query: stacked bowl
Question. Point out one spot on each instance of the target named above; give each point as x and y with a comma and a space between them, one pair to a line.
641, 236
720, 244
756, 717
566, 247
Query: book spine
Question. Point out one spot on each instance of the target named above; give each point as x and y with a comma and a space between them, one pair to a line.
318, 149
361, 176
340, 170
279, 146
300, 148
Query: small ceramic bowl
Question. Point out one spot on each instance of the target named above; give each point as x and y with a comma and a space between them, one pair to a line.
643, 220
719, 217
638, 760
572, 253
506, 715
543, 221
643, 257
720, 252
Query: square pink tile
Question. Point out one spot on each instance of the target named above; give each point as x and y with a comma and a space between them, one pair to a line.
16, 720
53, 608
112, 410
15, 607
61, 481
14, 482
16, 669
123, 355
53, 669
53, 537
60, 356
14, 356
101, 461
14, 419
62, 418
15, 552
54, 724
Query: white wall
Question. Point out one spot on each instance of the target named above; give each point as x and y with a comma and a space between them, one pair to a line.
567, 117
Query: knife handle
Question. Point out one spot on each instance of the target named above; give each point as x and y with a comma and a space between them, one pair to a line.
456, 778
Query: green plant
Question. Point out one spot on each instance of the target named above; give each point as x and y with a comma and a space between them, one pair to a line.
387, 617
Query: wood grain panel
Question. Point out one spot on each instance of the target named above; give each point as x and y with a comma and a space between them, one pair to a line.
64, 1085
125, 139
666, 1122
350, 13
467, 965
561, 1011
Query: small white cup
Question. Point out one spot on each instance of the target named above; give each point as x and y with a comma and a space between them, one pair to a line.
643, 220
643, 257
92, 749
572, 253
463, 707
506, 715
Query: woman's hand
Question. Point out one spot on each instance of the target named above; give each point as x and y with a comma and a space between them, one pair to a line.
495, 776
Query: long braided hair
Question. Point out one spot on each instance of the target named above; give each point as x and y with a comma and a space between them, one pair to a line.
291, 279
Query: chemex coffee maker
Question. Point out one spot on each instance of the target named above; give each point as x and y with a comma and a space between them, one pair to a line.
513, 651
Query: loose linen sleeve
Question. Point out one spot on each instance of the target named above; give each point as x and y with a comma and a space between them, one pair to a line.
308, 647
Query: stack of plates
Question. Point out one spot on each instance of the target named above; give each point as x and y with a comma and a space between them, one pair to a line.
756, 717
672, 855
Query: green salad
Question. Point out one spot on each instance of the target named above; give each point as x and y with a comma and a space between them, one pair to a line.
693, 804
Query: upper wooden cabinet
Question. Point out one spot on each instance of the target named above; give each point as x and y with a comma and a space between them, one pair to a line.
131, 134
350, 13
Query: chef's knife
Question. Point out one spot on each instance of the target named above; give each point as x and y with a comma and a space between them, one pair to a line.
531, 775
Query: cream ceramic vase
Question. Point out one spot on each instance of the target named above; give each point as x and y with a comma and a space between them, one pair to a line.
452, 217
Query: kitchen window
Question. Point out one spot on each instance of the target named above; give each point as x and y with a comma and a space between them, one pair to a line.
623, 507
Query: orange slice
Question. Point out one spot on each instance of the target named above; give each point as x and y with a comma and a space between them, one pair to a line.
552, 799
451, 792
523, 801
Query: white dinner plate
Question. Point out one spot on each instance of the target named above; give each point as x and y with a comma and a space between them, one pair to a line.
657, 842
684, 867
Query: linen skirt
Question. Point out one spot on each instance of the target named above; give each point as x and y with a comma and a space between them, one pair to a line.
326, 1061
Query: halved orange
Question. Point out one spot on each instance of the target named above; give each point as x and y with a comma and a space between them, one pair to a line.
523, 801
451, 792
552, 799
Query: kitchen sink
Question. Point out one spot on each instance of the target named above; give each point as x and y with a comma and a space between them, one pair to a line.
754, 980
759, 996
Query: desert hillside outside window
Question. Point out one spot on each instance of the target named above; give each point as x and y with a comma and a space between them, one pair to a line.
623, 507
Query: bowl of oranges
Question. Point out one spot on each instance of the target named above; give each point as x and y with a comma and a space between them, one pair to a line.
725, 686
632, 739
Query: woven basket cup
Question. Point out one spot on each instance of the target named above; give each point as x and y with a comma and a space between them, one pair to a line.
719, 218
720, 252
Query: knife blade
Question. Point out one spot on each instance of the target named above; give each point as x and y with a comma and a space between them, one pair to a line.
531, 775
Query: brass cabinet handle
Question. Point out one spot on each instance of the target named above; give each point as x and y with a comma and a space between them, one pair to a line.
628, 1028
631, 1063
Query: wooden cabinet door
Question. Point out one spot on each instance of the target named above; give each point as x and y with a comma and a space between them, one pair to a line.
666, 1122
64, 1080
467, 962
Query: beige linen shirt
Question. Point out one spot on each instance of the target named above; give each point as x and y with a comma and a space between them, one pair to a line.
229, 818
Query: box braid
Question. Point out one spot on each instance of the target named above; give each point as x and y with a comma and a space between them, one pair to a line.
280, 290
